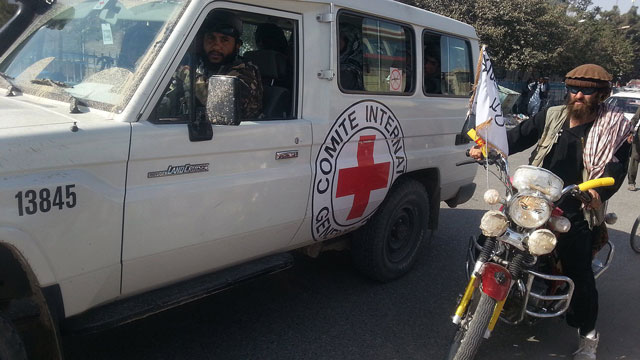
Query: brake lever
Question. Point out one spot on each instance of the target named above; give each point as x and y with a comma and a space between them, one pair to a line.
584, 196
470, 161
490, 160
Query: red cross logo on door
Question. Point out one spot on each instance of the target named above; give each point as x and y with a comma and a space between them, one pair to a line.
361, 180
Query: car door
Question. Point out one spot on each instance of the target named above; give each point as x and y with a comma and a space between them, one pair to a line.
197, 206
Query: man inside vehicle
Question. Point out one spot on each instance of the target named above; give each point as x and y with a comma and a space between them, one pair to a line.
221, 42
351, 64
432, 80
582, 140
218, 42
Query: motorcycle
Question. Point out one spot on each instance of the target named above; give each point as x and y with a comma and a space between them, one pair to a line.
513, 271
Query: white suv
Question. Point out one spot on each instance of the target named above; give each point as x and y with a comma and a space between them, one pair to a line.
628, 101
121, 194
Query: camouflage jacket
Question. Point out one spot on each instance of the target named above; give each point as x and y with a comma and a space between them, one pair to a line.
250, 92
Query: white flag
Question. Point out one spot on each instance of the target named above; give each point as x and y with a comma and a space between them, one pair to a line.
489, 119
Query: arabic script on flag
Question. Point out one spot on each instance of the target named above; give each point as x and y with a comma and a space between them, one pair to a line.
489, 118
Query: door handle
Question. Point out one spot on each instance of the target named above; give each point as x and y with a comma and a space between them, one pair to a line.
288, 154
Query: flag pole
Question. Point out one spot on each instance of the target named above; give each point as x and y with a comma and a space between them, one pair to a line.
475, 83
472, 133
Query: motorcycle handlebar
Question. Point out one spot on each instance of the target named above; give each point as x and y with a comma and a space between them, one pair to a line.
592, 184
492, 157
581, 192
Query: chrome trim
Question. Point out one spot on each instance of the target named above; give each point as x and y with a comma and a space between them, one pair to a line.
513, 238
597, 266
289, 154
562, 298
559, 301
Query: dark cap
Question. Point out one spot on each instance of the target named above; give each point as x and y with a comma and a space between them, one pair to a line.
588, 75
224, 22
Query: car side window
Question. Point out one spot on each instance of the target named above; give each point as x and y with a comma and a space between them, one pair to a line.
375, 56
175, 104
256, 49
447, 68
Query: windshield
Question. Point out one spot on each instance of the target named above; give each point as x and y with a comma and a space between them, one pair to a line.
95, 51
629, 105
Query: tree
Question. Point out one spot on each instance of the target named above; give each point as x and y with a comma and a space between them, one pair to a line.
549, 37
459, 10
579, 5
516, 31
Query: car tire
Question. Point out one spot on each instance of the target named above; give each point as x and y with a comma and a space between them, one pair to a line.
11, 346
387, 246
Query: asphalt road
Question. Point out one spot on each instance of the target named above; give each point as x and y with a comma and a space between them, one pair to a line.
322, 309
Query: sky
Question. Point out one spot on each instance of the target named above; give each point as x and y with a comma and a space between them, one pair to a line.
623, 5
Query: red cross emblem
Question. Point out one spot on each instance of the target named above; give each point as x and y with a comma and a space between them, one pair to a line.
361, 180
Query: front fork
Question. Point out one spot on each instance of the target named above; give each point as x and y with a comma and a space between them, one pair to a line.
496, 283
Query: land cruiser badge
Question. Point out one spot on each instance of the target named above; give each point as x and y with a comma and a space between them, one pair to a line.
360, 158
179, 170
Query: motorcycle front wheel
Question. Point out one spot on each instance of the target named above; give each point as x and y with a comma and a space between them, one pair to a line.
634, 238
468, 338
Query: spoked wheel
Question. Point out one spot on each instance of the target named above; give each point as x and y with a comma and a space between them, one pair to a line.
470, 334
634, 237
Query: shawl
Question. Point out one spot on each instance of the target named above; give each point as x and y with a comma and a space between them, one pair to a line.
607, 134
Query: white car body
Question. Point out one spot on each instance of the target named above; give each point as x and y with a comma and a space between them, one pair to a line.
627, 101
133, 228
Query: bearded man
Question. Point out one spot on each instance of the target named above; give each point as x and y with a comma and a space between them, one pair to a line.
582, 140
221, 32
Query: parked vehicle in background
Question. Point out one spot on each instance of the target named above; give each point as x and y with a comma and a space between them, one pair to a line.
119, 199
635, 83
628, 101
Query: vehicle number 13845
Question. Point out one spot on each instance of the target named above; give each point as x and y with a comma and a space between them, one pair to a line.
44, 200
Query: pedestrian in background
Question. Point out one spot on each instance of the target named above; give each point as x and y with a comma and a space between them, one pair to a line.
523, 101
540, 90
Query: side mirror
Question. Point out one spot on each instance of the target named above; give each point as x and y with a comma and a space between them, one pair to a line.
469, 123
223, 107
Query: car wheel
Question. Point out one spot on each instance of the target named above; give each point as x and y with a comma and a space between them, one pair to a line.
11, 346
387, 246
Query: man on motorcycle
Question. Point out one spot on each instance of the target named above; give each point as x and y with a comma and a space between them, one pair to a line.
581, 140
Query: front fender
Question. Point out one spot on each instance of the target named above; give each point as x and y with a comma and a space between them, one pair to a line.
496, 281
31, 253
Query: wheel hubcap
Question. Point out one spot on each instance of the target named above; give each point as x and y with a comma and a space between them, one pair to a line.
402, 233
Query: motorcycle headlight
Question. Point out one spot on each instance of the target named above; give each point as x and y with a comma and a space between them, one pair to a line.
538, 179
493, 223
529, 211
541, 242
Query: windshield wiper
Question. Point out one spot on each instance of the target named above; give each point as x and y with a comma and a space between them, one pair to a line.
12, 85
50, 82
73, 101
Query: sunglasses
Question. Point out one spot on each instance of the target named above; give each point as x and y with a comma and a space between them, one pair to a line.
583, 90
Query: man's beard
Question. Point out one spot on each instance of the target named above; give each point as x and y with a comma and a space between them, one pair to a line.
226, 60
582, 111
